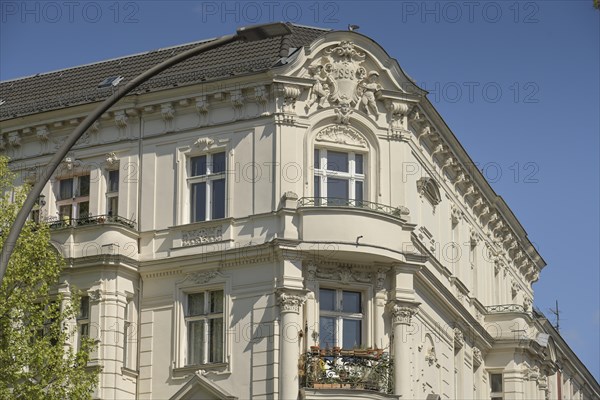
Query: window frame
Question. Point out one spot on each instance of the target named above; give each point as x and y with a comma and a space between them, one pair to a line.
83, 321
496, 395
76, 199
339, 315
209, 179
112, 195
180, 348
322, 174
206, 317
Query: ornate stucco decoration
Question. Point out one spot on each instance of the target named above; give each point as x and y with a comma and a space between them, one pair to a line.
477, 357
204, 143
527, 302
514, 288
311, 272
341, 134
344, 274
455, 214
237, 101
430, 356
397, 111
111, 159
380, 279
14, 139
120, 119
459, 338
261, 96
202, 236
202, 110
42, 132
402, 314
290, 301
167, 111
202, 277
95, 295
342, 80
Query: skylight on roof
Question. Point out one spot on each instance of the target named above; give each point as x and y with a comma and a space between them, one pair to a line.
110, 81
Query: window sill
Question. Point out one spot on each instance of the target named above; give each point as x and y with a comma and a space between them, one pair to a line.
129, 372
217, 368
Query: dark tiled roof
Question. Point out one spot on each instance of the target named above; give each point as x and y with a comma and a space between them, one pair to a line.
79, 85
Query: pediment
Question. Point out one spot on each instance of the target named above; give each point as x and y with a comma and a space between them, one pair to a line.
201, 388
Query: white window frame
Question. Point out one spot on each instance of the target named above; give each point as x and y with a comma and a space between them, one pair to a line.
83, 321
340, 315
110, 195
322, 173
496, 395
129, 335
75, 200
209, 179
205, 318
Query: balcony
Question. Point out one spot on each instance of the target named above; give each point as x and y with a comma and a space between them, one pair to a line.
58, 223
359, 369
505, 308
397, 212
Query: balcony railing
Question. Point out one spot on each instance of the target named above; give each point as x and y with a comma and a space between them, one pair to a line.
370, 369
505, 308
398, 212
57, 222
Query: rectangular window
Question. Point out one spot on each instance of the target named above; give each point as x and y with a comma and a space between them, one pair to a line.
204, 323
112, 193
73, 198
83, 319
340, 318
207, 185
496, 386
129, 336
339, 177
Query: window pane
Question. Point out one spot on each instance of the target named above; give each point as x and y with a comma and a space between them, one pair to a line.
198, 202
195, 342
195, 304
337, 189
84, 209
327, 332
84, 185
351, 302
84, 307
113, 181
216, 301
216, 340
84, 330
218, 199
198, 166
358, 193
327, 299
113, 206
218, 163
337, 161
66, 189
496, 381
65, 212
317, 186
358, 163
317, 162
351, 333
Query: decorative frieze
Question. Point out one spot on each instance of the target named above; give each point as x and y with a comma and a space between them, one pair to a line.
14, 139
341, 134
202, 277
202, 236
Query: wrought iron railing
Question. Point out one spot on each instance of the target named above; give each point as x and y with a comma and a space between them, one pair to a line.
505, 308
369, 369
341, 202
64, 222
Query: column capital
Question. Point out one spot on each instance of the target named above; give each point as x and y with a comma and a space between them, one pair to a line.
290, 300
402, 312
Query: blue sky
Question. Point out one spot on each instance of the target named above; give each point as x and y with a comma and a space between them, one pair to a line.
517, 81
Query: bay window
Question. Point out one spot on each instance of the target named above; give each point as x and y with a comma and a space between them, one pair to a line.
339, 177
206, 182
340, 318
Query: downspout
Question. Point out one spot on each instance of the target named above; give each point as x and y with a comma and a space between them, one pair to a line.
141, 283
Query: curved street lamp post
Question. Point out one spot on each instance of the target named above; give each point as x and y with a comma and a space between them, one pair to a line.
248, 34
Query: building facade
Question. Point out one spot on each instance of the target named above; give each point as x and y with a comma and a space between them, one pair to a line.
283, 219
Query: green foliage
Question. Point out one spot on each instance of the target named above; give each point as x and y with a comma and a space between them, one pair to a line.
37, 324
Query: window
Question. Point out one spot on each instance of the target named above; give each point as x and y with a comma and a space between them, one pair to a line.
207, 187
83, 319
340, 318
496, 386
112, 193
204, 324
73, 200
130, 336
339, 177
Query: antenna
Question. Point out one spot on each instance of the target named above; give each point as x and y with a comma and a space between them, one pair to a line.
556, 313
